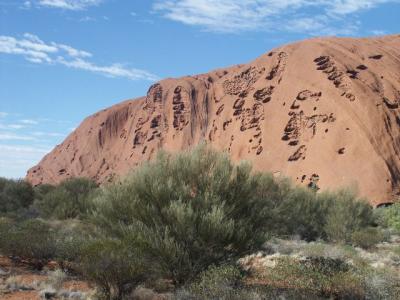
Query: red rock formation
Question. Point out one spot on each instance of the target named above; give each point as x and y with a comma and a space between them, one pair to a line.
322, 111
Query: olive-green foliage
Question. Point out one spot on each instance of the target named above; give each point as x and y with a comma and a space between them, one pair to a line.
389, 216
300, 212
346, 214
113, 266
332, 216
32, 239
71, 238
318, 276
15, 196
190, 211
70, 199
222, 282
39, 241
367, 237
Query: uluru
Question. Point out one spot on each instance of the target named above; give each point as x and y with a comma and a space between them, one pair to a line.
324, 111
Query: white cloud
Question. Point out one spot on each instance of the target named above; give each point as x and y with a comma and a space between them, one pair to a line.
12, 126
29, 122
352, 6
3, 114
249, 15
34, 50
23, 149
378, 32
69, 4
27, 5
114, 70
7, 136
49, 134
15, 160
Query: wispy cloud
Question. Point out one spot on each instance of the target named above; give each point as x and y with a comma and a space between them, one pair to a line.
12, 126
229, 16
8, 136
3, 114
15, 160
34, 50
29, 122
49, 134
66, 4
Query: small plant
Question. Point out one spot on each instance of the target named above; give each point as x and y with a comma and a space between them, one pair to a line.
113, 267
15, 196
318, 276
367, 237
345, 215
217, 282
32, 239
389, 216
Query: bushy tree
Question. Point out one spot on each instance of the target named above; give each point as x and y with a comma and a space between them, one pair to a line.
390, 216
15, 196
113, 266
191, 210
346, 214
70, 199
301, 212
31, 239
332, 216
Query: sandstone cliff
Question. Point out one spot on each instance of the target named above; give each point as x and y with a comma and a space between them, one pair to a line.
324, 111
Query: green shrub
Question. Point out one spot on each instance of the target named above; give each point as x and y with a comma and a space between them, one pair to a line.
71, 199
300, 212
113, 267
71, 238
329, 216
317, 276
33, 240
382, 284
223, 282
389, 216
367, 237
15, 196
190, 211
345, 215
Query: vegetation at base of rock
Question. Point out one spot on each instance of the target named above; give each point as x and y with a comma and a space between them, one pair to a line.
188, 219
16, 196
69, 200
189, 211
389, 216
113, 267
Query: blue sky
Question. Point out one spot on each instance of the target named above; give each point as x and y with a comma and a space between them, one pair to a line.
61, 60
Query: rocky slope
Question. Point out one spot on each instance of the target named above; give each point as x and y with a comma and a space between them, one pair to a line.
324, 111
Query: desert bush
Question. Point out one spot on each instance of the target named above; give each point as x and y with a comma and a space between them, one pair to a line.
15, 196
381, 284
71, 238
389, 216
31, 239
113, 267
227, 282
367, 237
345, 215
190, 211
332, 216
316, 276
70, 199
217, 283
301, 212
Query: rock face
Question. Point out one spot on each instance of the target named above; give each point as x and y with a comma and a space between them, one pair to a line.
325, 112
